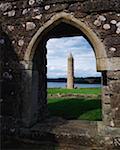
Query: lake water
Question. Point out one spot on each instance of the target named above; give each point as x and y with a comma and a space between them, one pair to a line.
63, 85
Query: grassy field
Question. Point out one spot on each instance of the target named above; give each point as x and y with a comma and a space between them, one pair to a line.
96, 91
76, 108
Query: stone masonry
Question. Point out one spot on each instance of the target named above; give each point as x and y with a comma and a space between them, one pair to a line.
25, 27
70, 72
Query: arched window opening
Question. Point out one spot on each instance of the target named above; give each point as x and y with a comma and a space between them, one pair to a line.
56, 105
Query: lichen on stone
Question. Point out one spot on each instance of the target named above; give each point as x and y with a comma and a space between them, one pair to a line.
47, 7
23, 25
112, 123
118, 15
106, 26
30, 26
37, 17
118, 31
11, 13
113, 49
97, 23
21, 42
13, 42
25, 11
113, 22
99, 20
5, 6
36, 10
11, 27
102, 18
31, 2
118, 24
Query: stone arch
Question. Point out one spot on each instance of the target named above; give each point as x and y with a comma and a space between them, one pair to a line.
35, 95
98, 46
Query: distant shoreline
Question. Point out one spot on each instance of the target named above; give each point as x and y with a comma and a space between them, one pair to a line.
86, 80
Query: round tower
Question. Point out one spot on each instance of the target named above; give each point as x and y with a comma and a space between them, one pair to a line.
70, 72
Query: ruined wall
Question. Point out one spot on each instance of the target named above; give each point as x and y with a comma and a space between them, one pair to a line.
21, 19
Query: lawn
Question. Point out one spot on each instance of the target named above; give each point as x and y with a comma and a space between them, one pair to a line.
95, 91
76, 108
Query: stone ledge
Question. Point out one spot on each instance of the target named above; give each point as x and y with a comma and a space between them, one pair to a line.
84, 133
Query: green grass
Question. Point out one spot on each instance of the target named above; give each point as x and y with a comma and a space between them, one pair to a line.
82, 109
95, 91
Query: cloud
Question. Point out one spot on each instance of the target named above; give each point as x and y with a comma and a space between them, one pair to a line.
58, 50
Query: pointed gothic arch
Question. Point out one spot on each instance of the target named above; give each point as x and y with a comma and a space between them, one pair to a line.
36, 96
98, 46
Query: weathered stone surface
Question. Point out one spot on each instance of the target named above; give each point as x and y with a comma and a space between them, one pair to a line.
113, 75
106, 99
118, 31
96, 6
113, 22
11, 13
107, 108
114, 86
20, 42
5, 6
47, 7
37, 17
20, 21
31, 2
112, 49
97, 23
106, 26
30, 26
63, 5
115, 40
70, 72
11, 28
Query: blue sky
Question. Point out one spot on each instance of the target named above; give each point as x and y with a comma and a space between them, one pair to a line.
58, 50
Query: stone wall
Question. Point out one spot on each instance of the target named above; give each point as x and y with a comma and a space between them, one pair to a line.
111, 98
20, 21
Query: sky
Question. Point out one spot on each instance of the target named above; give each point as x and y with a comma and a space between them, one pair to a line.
58, 50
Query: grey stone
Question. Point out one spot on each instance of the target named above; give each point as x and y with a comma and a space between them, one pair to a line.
31, 2
113, 49
106, 26
30, 26
5, 6
25, 11
47, 7
97, 23
23, 39
11, 28
11, 13
102, 18
113, 22
37, 17
118, 31
21, 42
118, 24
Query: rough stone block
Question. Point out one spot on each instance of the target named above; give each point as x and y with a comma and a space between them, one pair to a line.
113, 75
114, 86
